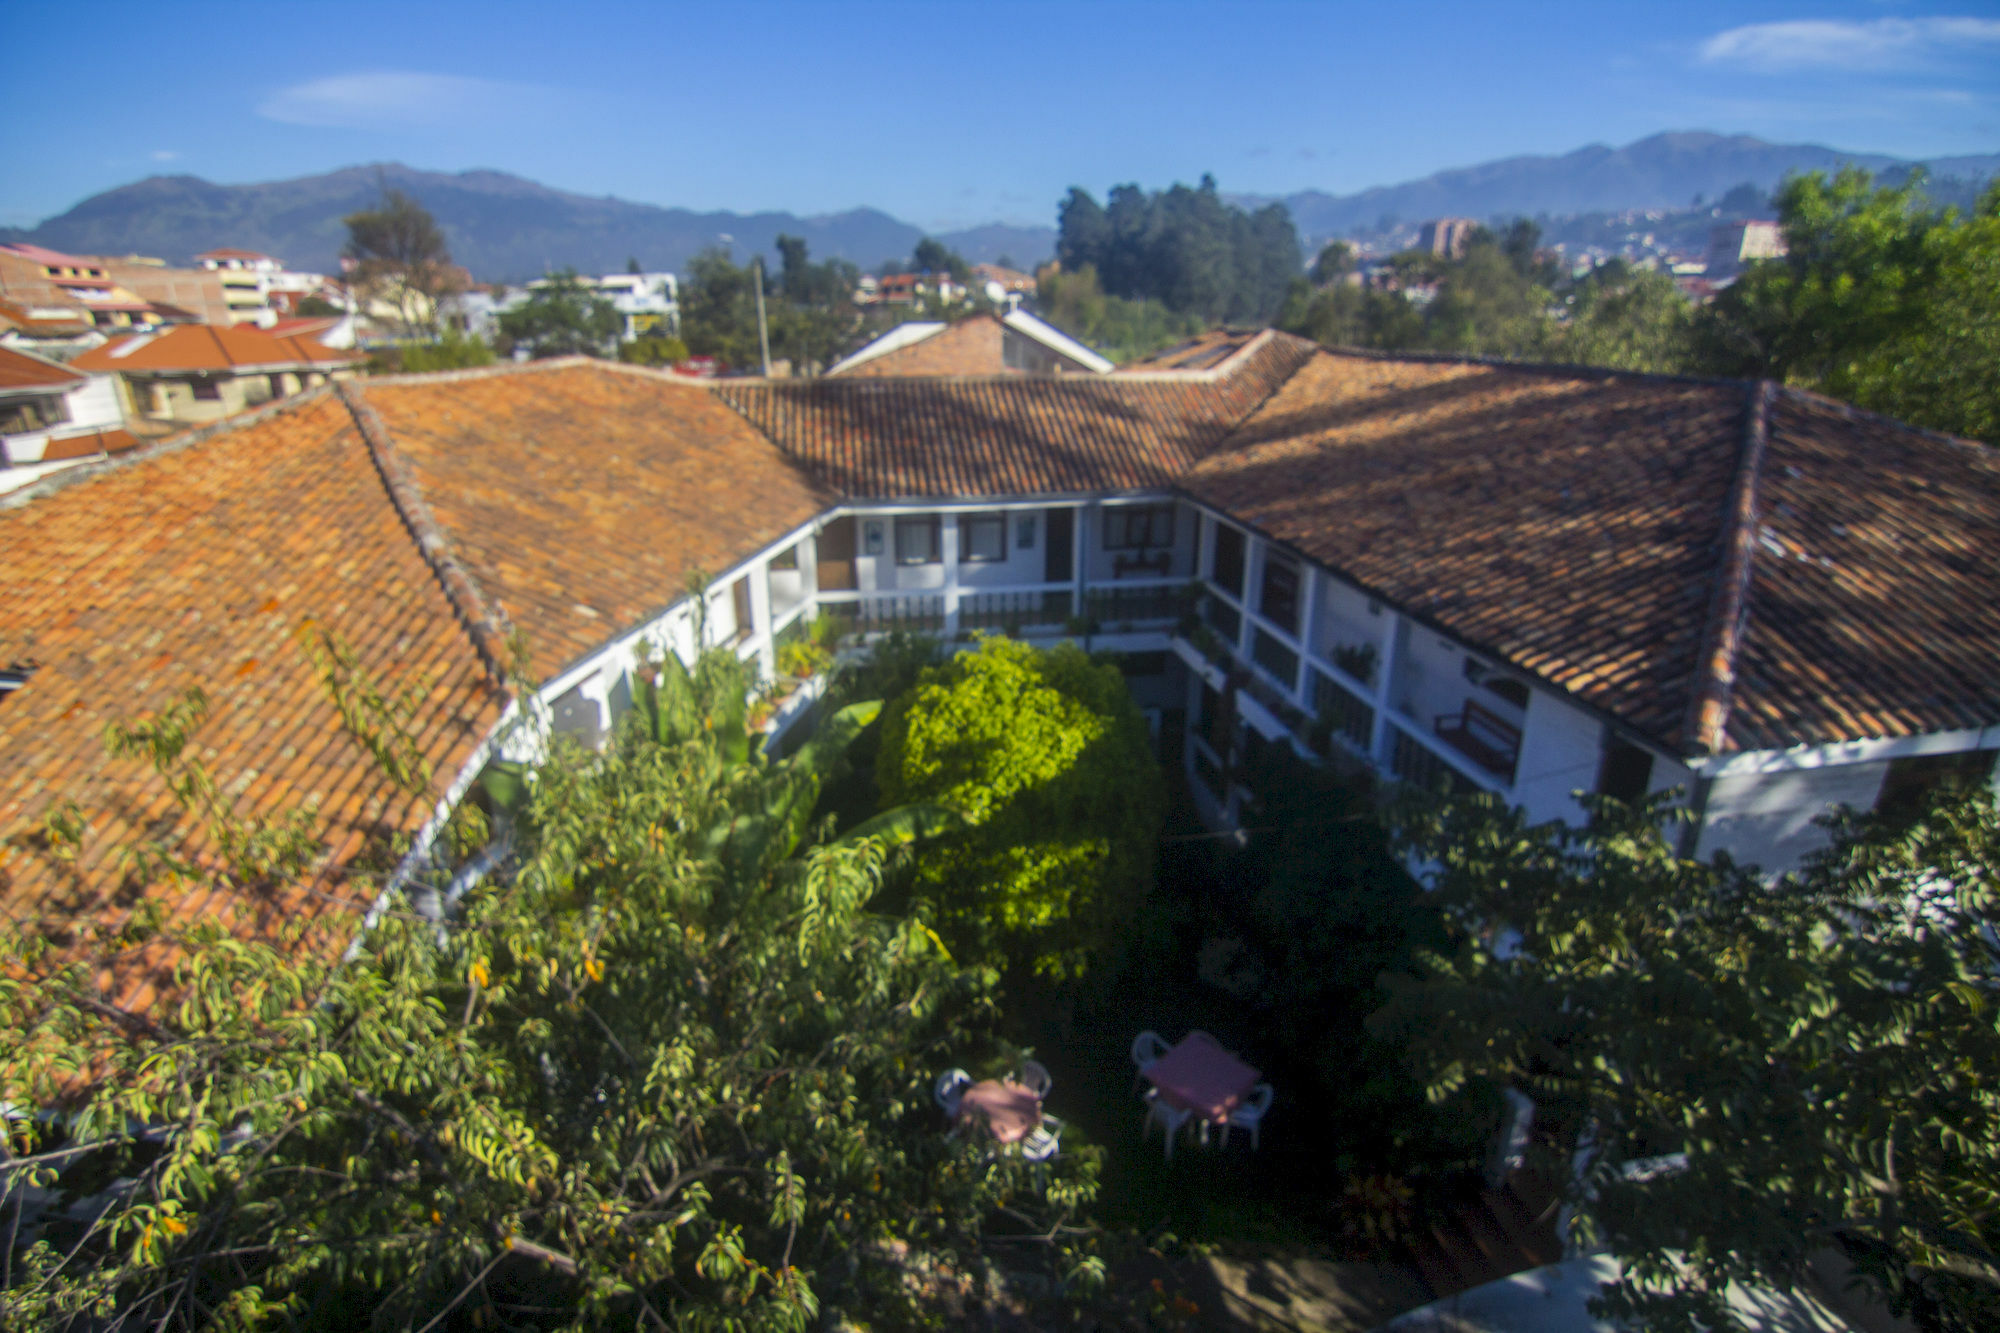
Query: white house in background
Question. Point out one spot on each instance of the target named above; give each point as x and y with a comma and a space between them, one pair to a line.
649, 303
52, 417
259, 289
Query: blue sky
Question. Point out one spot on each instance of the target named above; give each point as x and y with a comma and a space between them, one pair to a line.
949, 114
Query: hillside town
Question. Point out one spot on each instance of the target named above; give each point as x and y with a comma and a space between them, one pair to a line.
1240, 762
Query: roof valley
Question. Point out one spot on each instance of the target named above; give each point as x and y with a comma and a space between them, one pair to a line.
484, 619
1722, 636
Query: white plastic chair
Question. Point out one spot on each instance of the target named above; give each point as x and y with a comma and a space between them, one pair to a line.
1172, 1118
1147, 1048
1249, 1115
1035, 1077
1043, 1141
951, 1086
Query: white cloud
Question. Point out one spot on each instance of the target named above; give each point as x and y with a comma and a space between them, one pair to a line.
393, 99
164, 155
1876, 44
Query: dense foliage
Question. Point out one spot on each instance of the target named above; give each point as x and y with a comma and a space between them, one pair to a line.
562, 317
808, 311
1767, 1070
1880, 300
668, 1070
1046, 755
1185, 248
400, 256
1121, 329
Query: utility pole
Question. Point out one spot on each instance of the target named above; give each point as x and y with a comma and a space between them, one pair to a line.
763, 333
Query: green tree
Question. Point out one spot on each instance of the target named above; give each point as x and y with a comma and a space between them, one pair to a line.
1119, 328
454, 351
401, 257
1335, 261
1626, 317
668, 1071
1765, 1069
1048, 758
653, 350
562, 317
1184, 247
934, 256
1879, 300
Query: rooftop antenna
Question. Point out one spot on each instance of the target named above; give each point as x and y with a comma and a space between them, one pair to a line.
763, 333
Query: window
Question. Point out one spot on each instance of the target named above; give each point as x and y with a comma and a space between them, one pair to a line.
1135, 527
1229, 560
917, 541
1278, 599
1627, 771
209, 391
1024, 532
1911, 781
28, 414
982, 538
1281, 662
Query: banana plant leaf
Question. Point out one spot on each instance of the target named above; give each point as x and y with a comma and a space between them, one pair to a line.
907, 824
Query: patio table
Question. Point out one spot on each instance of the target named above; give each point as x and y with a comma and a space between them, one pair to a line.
1009, 1109
1200, 1076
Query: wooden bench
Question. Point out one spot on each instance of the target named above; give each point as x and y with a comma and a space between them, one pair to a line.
1487, 738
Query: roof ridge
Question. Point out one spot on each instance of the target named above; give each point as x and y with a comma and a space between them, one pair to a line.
485, 372
166, 444
484, 619
1868, 415
1538, 367
1707, 724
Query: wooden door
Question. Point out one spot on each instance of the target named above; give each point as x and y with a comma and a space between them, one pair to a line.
835, 546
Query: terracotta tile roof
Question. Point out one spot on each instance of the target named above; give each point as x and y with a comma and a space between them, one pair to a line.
89, 445
1009, 434
1873, 606
195, 564
1580, 525
580, 495
1204, 352
198, 347
969, 347
16, 314
18, 370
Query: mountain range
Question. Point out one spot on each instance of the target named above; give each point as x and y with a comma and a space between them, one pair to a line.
505, 228
1664, 171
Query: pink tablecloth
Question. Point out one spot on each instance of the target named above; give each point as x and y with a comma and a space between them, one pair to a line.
1008, 1109
1199, 1076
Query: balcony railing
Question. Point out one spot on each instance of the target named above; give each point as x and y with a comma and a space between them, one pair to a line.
1420, 766
1340, 715
1113, 608
904, 611
1273, 656
1012, 612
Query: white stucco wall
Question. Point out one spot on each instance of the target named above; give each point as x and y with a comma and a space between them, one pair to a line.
1766, 819
1562, 748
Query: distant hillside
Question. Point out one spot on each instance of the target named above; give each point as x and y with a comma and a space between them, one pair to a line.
501, 227
1665, 171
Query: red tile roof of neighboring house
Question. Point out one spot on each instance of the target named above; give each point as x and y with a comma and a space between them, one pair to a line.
232, 254
18, 370
210, 347
90, 444
1204, 352
52, 258
13, 314
305, 326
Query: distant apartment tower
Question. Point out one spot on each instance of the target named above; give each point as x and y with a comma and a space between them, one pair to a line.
1445, 237
1731, 245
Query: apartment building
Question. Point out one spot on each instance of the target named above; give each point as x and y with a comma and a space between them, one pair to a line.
53, 417
1523, 580
194, 374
